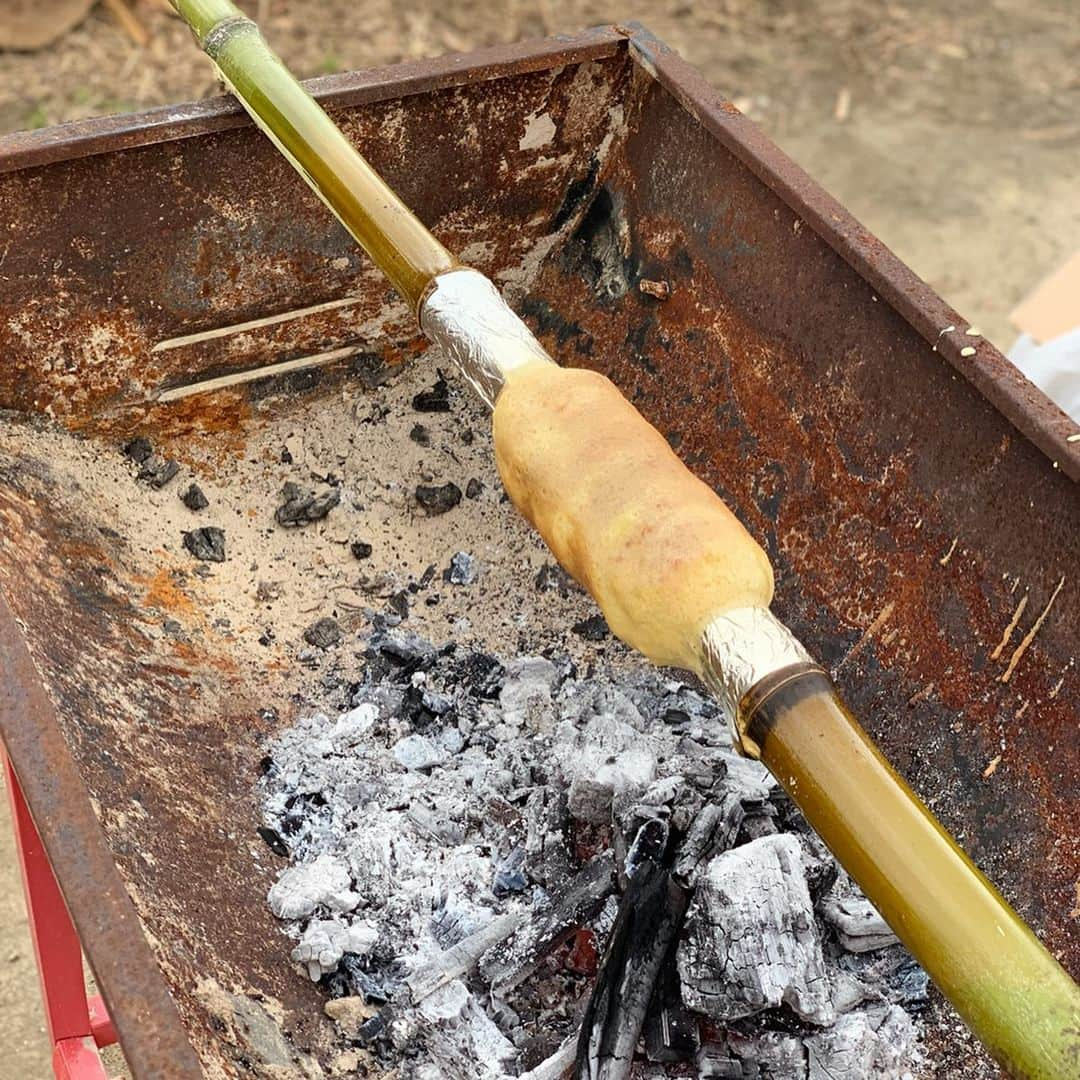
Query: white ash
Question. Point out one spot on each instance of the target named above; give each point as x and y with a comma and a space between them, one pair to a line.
760, 888
453, 831
325, 941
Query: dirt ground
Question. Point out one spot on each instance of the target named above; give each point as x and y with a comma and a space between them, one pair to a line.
950, 130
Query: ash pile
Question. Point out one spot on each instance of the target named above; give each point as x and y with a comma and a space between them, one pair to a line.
514, 868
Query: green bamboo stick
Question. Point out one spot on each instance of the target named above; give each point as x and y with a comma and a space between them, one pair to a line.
1009, 990
297, 125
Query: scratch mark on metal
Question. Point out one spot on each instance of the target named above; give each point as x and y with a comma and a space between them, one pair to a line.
949, 554
253, 324
921, 695
869, 633
237, 378
1013, 623
1029, 637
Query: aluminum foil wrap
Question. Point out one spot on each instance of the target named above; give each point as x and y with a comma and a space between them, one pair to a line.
741, 647
467, 318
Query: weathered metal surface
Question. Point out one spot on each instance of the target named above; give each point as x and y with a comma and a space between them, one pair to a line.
905, 515
792, 365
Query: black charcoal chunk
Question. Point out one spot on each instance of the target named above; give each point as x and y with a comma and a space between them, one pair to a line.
510, 874
420, 435
207, 543
273, 841
437, 399
157, 471
371, 371
324, 633
360, 549
300, 505
438, 499
594, 628
138, 449
553, 578
194, 499
473, 488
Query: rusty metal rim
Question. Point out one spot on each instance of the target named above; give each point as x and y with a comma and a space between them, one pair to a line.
127, 974
106, 134
1023, 404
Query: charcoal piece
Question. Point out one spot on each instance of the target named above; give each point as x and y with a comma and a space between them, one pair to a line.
437, 399
878, 1041
526, 694
594, 628
273, 841
405, 648
138, 449
324, 633
714, 1062
194, 499
671, 1030
303, 887
417, 753
546, 847
438, 499
712, 831
646, 929
399, 603
607, 758
752, 942
553, 578
511, 963
300, 506
648, 846
157, 471
325, 941
510, 874
464, 956
463, 569
473, 488
376, 983
768, 1054
370, 369
894, 973
480, 674
420, 435
207, 543
360, 549
858, 926
461, 1040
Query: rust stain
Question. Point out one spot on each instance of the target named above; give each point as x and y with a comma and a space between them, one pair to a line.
165, 593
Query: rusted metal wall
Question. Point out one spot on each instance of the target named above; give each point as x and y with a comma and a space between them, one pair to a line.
905, 516
115, 252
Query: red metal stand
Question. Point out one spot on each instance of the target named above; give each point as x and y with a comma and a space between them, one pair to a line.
77, 1026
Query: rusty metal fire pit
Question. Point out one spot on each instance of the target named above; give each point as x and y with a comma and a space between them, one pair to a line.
910, 486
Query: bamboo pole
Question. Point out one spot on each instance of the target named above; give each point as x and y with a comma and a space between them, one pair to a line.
1008, 989
297, 125
590, 474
